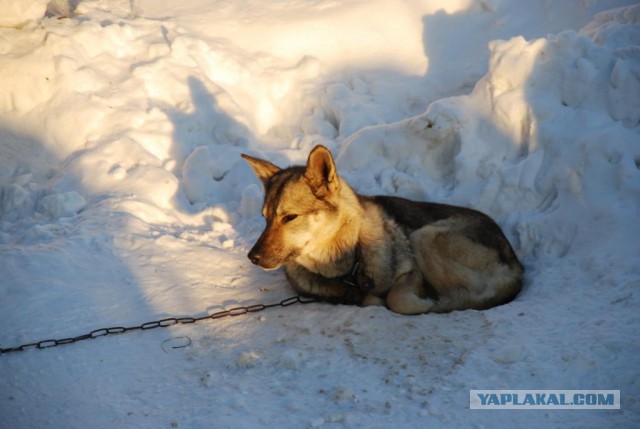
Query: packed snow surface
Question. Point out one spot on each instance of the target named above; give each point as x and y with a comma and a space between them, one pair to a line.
123, 199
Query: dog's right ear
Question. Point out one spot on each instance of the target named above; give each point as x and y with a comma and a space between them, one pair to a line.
321, 172
263, 169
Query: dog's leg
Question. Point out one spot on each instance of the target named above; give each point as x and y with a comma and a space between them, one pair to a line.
308, 283
371, 300
466, 274
406, 295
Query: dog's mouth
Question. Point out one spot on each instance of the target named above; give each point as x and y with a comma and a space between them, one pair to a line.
269, 267
263, 262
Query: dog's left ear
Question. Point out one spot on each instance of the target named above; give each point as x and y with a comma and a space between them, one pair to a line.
321, 172
263, 169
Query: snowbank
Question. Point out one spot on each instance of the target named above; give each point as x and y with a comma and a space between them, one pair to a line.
550, 131
20, 13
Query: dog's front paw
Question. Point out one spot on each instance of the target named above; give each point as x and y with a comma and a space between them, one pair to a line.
371, 300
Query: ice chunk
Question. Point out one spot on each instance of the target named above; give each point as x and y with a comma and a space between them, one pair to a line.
66, 204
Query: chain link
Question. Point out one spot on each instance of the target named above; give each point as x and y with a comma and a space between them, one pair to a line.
162, 323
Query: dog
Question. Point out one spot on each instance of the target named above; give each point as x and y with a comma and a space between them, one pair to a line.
414, 257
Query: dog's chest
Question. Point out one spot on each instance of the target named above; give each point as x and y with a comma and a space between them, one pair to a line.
326, 266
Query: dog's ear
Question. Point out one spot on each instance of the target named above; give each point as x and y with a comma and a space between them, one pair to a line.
263, 169
321, 172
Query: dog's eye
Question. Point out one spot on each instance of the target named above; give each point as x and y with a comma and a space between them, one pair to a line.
288, 218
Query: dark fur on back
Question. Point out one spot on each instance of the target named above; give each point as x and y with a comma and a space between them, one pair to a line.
414, 215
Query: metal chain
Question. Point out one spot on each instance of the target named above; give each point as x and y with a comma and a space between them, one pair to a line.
162, 323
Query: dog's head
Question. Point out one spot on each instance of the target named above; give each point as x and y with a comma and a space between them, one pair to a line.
301, 207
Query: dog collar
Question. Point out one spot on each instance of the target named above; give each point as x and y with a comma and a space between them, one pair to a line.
355, 275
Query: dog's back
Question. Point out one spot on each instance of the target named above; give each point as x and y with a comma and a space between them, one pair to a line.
476, 225
463, 254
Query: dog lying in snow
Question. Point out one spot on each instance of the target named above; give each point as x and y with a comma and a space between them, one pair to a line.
414, 257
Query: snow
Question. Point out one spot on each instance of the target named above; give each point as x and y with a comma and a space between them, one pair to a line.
21, 14
123, 199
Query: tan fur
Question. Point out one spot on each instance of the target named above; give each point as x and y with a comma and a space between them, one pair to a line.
464, 273
315, 223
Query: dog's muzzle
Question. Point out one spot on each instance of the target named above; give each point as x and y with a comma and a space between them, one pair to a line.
257, 258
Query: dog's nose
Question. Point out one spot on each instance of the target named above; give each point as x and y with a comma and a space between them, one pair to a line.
254, 257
